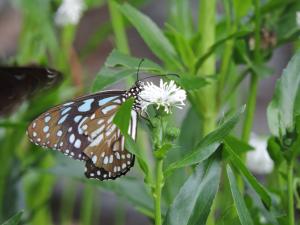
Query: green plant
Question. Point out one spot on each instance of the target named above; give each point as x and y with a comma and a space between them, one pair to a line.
194, 174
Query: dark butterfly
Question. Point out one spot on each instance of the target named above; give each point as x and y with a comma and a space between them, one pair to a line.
83, 129
19, 83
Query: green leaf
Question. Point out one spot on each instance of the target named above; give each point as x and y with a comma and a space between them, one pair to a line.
190, 134
131, 189
238, 199
238, 144
122, 120
212, 49
108, 76
183, 46
287, 28
194, 200
241, 8
151, 34
116, 58
281, 109
123, 116
161, 153
240, 166
274, 151
259, 68
14, 220
131, 146
181, 17
207, 146
193, 83
118, 66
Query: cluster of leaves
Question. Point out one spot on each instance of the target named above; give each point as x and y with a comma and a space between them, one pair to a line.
194, 164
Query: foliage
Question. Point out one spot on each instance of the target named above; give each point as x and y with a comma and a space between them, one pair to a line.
196, 174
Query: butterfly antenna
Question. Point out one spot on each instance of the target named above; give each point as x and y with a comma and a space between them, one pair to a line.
138, 70
162, 75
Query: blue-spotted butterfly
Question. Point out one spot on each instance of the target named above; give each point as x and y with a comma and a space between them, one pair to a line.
19, 83
83, 129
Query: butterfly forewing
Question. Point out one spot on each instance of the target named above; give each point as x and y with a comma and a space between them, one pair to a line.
59, 128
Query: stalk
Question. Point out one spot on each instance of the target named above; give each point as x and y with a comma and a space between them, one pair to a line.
207, 96
251, 102
118, 27
86, 213
250, 110
226, 59
158, 189
291, 212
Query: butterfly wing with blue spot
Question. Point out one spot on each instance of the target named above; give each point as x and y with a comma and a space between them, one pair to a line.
108, 156
59, 128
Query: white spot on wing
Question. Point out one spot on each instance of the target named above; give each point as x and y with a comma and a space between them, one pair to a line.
46, 129
106, 100
59, 133
72, 138
105, 161
68, 103
94, 159
77, 143
66, 110
77, 118
62, 119
86, 106
97, 141
47, 119
108, 108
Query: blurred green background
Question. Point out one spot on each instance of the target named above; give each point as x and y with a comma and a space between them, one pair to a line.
50, 188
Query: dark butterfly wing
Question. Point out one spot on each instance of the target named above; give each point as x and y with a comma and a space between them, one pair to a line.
108, 157
19, 83
60, 127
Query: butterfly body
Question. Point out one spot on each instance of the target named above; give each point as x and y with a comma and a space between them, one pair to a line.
83, 129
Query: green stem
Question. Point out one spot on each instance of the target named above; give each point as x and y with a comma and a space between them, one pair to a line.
226, 59
291, 212
251, 102
250, 110
118, 27
86, 213
158, 188
67, 203
207, 95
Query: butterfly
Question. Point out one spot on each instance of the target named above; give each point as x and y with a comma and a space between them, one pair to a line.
19, 83
83, 129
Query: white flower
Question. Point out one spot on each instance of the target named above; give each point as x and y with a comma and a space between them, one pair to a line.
258, 160
298, 18
166, 95
69, 12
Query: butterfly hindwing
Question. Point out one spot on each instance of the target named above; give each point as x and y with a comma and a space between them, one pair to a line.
109, 158
59, 128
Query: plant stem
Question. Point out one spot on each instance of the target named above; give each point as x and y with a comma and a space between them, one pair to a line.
207, 95
226, 59
118, 27
86, 213
119, 31
251, 102
291, 212
158, 189
250, 110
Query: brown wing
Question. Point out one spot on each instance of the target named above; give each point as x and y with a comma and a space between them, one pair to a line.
59, 128
108, 157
